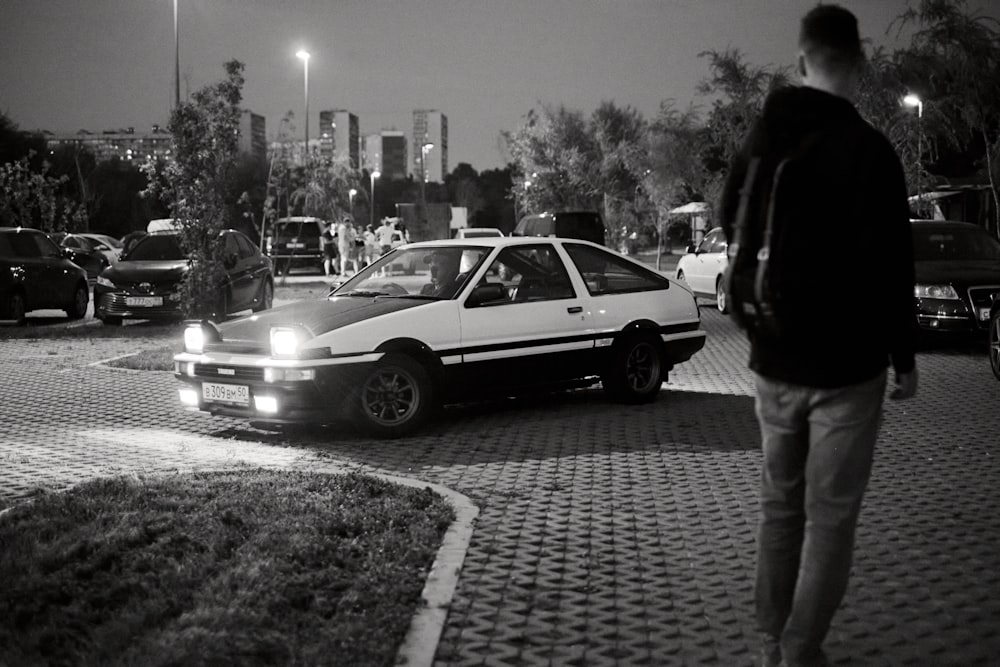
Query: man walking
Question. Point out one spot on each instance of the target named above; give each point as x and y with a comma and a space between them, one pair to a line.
821, 377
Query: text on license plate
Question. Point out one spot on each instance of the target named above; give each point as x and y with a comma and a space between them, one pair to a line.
144, 301
984, 314
296, 245
225, 393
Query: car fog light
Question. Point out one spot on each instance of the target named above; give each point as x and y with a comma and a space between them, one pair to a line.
266, 403
188, 396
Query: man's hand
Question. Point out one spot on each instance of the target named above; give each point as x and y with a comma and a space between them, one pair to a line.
906, 386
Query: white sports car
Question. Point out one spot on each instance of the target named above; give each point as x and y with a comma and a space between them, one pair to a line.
443, 322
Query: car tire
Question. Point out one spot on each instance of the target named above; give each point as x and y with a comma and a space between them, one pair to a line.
721, 300
635, 370
395, 398
77, 308
266, 300
17, 308
995, 344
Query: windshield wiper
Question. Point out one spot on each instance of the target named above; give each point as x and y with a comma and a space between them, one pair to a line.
362, 292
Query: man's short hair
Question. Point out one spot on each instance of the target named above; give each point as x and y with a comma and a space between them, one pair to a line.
829, 38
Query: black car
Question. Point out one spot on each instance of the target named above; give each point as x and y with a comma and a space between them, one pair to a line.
586, 225
297, 242
957, 275
145, 283
35, 274
89, 251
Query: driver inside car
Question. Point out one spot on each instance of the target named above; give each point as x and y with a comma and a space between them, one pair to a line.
444, 265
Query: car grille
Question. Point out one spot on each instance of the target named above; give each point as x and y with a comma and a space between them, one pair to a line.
238, 373
983, 297
114, 304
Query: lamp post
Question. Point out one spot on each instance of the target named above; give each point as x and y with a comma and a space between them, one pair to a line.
350, 195
304, 57
177, 61
423, 169
912, 100
371, 213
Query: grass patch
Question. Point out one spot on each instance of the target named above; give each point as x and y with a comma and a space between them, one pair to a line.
156, 359
94, 329
250, 568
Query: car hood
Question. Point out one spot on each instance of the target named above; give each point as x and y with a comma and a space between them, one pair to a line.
958, 273
135, 271
316, 316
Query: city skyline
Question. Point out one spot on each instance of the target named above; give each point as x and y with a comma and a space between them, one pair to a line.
103, 65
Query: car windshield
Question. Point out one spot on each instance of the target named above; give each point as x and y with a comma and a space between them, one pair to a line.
475, 234
960, 243
156, 247
438, 272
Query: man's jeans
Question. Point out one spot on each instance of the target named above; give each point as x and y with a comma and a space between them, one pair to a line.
818, 446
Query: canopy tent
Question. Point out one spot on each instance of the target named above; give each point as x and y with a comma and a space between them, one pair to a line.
690, 208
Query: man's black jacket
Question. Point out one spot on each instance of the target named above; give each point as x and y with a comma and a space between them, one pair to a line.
853, 275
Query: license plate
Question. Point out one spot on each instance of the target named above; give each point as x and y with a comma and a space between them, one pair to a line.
984, 314
296, 245
144, 301
225, 393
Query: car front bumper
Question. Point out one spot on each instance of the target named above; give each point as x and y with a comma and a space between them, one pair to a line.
114, 303
322, 399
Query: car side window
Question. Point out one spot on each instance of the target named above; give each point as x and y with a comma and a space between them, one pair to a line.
606, 273
246, 248
71, 242
707, 242
231, 247
719, 243
46, 246
5, 249
24, 245
529, 273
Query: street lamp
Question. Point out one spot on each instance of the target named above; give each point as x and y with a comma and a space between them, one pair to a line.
350, 195
371, 213
912, 100
177, 61
304, 57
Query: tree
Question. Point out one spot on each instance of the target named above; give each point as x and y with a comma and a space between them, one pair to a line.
198, 186
464, 189
325, 190
31, 198
958, 54
16, 144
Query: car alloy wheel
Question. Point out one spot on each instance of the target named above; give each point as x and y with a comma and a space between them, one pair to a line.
16, 309
395, 397
636, 369
78, 307
995, 344
720, 296
266, 297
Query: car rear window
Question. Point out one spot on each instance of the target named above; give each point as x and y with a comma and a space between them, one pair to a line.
285, 231
963, 244
607, 273
157, 247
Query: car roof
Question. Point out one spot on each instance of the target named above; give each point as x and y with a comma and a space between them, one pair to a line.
20, 229
494, 241
300, 218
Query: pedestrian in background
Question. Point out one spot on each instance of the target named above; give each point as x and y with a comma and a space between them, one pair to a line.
371, 245
820, 386
345, 244
384, 236
329, 251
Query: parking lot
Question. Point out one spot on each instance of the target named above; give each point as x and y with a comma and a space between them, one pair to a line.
607, 534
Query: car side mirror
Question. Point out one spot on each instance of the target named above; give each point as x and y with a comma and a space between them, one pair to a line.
486, 293
692, 248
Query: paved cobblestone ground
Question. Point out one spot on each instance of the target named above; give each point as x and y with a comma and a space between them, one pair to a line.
608, 535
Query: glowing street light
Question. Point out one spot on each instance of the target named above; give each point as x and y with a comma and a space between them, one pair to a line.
304, 57
371, 215
912, 100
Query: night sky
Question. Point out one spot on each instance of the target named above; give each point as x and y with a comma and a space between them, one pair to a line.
103, 64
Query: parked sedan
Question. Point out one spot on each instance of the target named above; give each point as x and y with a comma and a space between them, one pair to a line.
703, 265
35, 274
145, 283
446, 321
93, 252
957, 275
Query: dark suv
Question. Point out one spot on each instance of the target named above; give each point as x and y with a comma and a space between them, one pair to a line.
35, 274
586, 225
297, 241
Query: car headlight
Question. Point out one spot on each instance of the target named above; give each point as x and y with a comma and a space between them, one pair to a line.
105, 282
934, 292
284, 342
196, 334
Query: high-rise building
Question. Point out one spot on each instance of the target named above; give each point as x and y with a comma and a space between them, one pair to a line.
430, 126
340, 136
253, 138
371, 153
126, 144
393, 154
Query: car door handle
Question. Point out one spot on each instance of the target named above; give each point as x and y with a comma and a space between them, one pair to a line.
572, 310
